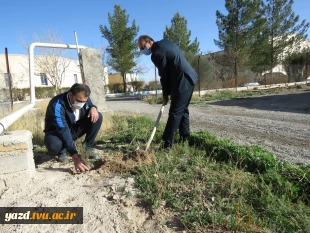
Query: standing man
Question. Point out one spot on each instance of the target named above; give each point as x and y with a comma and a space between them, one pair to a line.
178, 80
68, 117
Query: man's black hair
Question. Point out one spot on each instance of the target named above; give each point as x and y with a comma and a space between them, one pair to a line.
145, 38
77, 88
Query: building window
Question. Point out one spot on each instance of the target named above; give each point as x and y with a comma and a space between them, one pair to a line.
75, 78
43, 79
6, 79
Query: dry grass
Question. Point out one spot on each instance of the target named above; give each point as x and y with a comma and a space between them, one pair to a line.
5, 108
123, 163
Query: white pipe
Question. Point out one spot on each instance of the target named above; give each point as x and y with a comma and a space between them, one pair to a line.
10, 119
77, 43
7, 121
31, 62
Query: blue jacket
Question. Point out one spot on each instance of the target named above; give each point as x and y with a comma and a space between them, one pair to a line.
172, 67
60, 118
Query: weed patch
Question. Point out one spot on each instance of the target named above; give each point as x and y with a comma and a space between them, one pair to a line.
217, 184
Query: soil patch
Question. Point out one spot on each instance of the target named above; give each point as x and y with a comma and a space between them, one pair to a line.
123, 163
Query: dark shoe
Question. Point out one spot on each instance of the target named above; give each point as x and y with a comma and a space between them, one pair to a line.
185, 138
64, 158
165, 147
91, 154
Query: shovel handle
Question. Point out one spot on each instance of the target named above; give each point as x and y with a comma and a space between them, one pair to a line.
155, 127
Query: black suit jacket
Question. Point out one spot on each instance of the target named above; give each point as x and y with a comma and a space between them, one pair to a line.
176, 74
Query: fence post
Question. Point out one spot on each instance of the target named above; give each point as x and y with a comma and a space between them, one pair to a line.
199, 74
9, 76
307, 67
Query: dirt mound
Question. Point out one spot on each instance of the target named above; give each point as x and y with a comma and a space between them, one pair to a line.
123, 163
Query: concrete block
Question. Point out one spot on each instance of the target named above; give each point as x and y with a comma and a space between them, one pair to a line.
94, 76
16, 152
14, 162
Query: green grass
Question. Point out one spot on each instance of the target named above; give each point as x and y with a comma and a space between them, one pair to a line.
225, 95
228, 95
209, 181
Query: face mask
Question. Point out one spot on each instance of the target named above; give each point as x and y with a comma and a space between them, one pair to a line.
146, 51
78, 105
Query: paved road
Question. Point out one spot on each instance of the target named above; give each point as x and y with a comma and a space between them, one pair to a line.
279, 123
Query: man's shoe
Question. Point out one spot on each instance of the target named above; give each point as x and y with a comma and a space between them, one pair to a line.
91, 154
64, 158
165, 147
184, 138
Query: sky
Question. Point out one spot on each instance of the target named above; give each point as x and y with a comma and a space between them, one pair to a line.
25, 17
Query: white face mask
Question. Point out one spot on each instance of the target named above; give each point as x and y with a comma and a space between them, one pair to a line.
146, 51
78, 105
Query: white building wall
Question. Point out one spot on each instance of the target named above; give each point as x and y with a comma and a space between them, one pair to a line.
19, 68
280, 68
132, 77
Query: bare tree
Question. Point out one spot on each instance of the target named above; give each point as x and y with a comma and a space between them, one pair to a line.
52, 62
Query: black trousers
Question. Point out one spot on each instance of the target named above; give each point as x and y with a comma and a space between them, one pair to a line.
55, 145
178, 116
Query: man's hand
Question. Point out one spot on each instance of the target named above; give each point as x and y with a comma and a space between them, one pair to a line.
79, 164
165, 100
93, 114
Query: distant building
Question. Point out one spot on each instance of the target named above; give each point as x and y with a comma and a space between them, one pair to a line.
19, 68
118, 79
279, 68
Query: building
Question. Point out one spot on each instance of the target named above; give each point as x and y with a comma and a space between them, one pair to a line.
19, 67
220, 70
118, 79
286, 51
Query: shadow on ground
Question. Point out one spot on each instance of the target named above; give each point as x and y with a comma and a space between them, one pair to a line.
134, 98
294, 103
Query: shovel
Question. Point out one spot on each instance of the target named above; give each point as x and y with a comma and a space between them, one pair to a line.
154, 130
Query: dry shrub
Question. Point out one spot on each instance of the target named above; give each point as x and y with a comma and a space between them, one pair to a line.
242, 80
211, 84
278, 79
123, 163
229, 83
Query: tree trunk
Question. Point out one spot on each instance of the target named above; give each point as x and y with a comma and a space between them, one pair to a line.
124, 82
236, 73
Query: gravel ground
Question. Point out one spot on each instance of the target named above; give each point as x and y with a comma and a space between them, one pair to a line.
279, 123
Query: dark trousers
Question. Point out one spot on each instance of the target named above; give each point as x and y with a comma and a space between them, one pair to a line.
178, 117
83, 126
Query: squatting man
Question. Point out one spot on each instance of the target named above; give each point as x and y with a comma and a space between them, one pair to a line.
69, 116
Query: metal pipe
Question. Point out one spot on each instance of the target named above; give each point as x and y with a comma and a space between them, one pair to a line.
77, 43
31, 62
7, 121
80, 58
9, 75
10, 119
